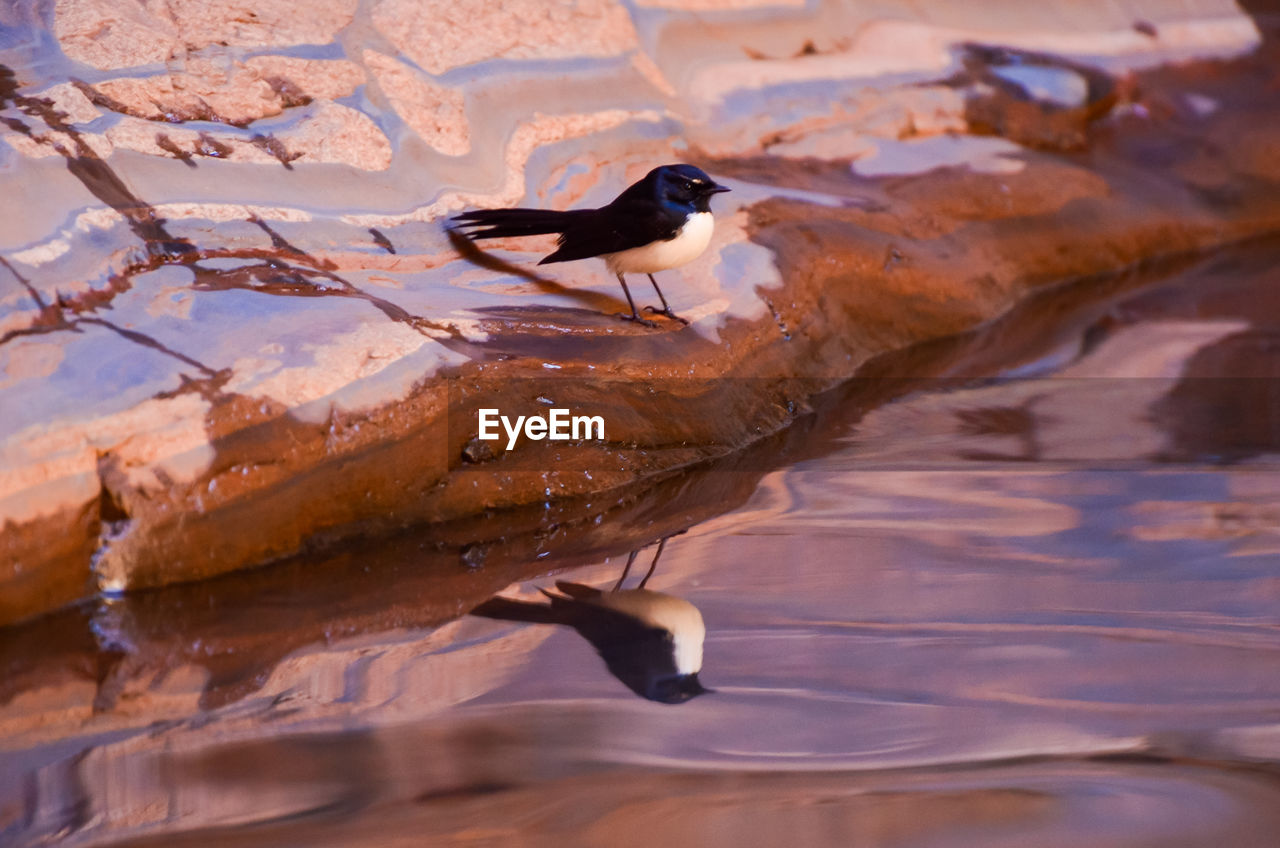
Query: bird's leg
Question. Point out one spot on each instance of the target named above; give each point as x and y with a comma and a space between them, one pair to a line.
625, 571
634, 316
653, 565
666, 310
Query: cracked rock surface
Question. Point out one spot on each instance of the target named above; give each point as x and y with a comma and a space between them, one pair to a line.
232, 321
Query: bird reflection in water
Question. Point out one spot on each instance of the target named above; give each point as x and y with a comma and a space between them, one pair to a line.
650, 641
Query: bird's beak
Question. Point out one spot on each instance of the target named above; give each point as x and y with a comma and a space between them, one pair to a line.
717, 188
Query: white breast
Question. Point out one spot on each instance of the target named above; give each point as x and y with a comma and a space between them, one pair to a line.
688, 244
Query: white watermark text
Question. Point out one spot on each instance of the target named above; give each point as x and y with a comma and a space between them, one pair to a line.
558, 425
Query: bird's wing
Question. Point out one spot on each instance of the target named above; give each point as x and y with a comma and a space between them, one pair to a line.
635, 652
613, 228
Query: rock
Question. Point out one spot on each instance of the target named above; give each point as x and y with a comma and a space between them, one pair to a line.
106, 34
1034, 99
519, 29
208, 90
436, 113
223, 342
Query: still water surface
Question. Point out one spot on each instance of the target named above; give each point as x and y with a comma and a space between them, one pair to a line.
1041, 609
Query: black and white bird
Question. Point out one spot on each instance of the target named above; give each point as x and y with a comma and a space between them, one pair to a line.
649, 640
661, 222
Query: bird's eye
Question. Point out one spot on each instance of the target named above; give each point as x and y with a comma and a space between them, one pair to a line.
688, 185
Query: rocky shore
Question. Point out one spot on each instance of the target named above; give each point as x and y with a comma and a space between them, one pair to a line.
235, 326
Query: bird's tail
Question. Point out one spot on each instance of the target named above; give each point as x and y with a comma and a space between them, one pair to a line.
577, 591
509, 609
501, 223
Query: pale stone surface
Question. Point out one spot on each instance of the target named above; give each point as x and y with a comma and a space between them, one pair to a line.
72, 106
439, 35
435, 113
47, 144
649, 69
884, 47
157, 443
321, 78
921, 155
324, 133
127, 33
110, 34
524, 141
262, 87
716, 5
337, 363
71, 102
28, 359
207, 89
340, 134
860, 123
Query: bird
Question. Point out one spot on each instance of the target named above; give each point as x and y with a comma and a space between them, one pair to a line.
649, 640
662, 221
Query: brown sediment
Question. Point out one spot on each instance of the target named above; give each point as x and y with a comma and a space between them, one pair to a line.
44, 563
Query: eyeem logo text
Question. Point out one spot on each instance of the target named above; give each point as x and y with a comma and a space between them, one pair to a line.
558, 426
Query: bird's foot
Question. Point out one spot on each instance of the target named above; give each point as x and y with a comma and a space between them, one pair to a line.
667, 312
643, 322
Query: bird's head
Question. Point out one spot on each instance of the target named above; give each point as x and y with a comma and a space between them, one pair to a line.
676, 689
686, 185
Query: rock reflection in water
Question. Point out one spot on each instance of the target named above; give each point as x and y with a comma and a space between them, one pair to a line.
651, 641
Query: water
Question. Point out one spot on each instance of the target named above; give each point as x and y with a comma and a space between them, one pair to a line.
948, 609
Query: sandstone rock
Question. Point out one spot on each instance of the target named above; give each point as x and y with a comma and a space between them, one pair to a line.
210, 90
324, 133
339, 134
527, 138
438, 35
71, 101
716, 5
205, 92
107, 34
327, 79
436, 113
